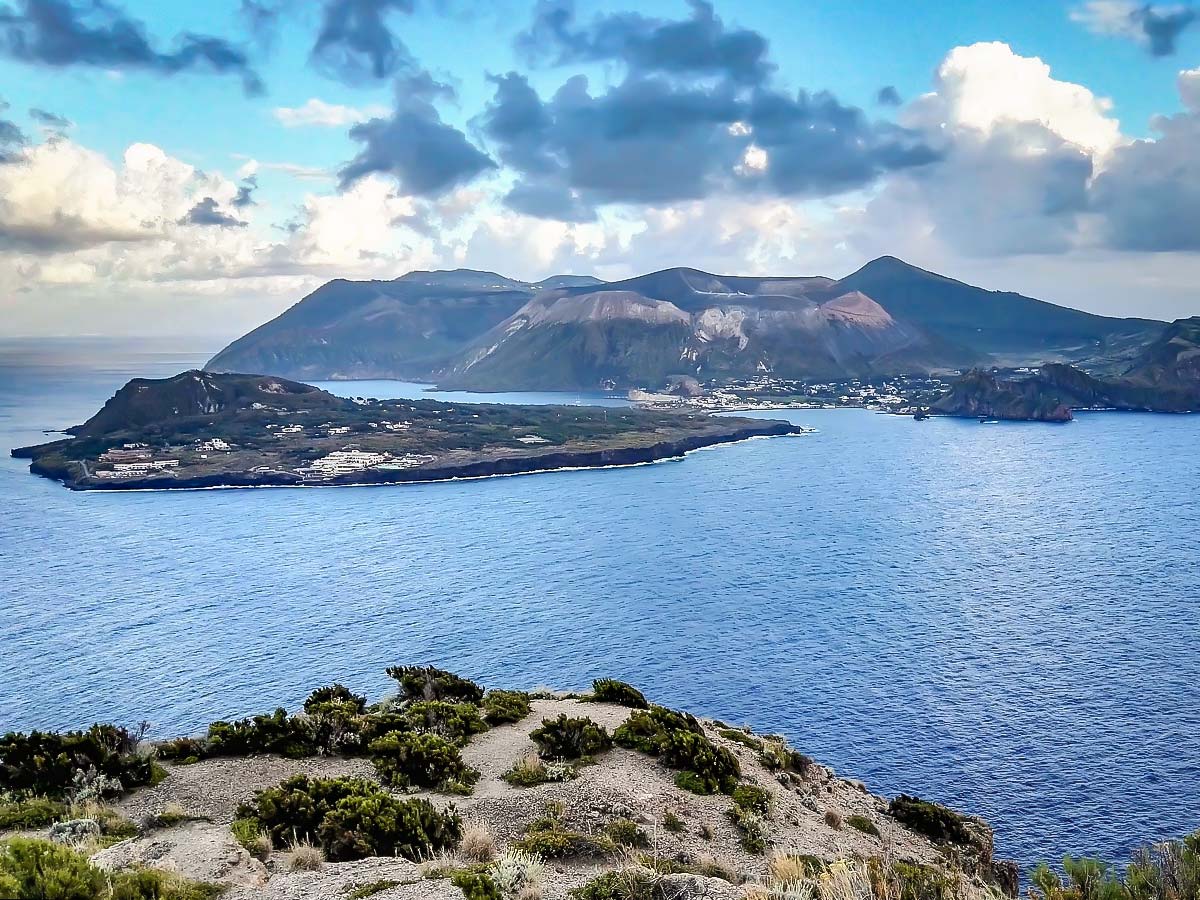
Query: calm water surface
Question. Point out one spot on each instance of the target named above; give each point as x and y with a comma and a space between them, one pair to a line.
1002, 617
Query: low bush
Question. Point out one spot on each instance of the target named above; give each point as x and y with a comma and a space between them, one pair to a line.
673, 823
622, 884
753, 798
938, 823
100, 762
371, 888
456, 722
549, 838
626, 833
778, 756
155, 884
337, 694
751, 828
290, 736
184, 750
519, 874
42, 870
350, 818
741, 737
429, 683
31, 814
500, 707
608, 690
679, 741
863, 824
531, 770
410, 759
570, 738
249, 833
476, 885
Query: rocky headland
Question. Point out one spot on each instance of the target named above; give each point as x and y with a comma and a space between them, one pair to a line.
202, 430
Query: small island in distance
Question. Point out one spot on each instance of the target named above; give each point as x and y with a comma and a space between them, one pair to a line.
203, 430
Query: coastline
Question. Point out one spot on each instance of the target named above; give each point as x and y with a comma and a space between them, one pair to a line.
498, 468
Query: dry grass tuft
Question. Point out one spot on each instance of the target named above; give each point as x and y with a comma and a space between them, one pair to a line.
478, 844
833, 819
784, 868
305, 857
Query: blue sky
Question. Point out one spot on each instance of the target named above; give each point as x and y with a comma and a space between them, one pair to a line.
1091, 206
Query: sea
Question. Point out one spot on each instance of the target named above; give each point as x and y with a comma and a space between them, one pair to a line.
1000, 617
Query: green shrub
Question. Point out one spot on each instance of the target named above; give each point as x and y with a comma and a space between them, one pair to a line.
476, 885
740, 737
154, 884
289, 736
42, 869
102, 762
532, 771
371, 888
500, 707
777, 756
627, 833
624, 884
752, 798
938, 823
338, 694
673, 823
409, 759
350, 818
184, 750
429, 683
751, 827
377, 723
679, 741
904, 880
863, 824
456, 722
550, 839
608, 690
37, 812
570, 738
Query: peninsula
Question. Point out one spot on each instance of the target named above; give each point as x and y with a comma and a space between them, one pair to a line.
202, 430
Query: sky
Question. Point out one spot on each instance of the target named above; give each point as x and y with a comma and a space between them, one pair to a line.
176, 168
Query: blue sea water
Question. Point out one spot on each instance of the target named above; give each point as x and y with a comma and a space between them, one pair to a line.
999, 617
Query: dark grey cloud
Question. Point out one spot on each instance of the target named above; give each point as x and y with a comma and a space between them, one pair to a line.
650, 139
355, 44
888, 96
696, 113
245, 194
1162, 26
701, 45
413, 145
62, 33
11, 137
1148, 195
52, 120
206, 212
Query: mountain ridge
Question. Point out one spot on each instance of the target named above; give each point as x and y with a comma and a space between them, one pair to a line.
481, 330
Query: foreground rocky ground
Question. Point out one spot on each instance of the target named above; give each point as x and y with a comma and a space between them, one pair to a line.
625, 809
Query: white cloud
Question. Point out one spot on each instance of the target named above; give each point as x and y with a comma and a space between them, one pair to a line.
1189, 89
987, 87
318, 113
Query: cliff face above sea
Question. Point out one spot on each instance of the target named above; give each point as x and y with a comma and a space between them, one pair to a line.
1165, 377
